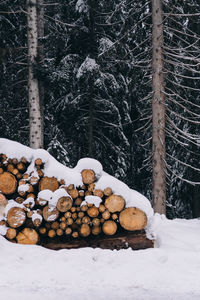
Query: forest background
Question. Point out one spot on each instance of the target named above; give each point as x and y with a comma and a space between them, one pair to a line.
94, 68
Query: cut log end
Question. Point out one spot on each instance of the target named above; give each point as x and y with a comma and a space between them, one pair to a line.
64, 204
28, 236
133, 218
16, 217
88, 176
8, 183
109, 227
48, 183
115, 203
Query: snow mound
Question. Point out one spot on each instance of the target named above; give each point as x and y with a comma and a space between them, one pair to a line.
53, 168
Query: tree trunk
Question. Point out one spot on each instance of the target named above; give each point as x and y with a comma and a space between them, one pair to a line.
40, 24
158, 111
35, 119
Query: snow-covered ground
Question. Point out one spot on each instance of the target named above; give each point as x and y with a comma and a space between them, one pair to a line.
169, 271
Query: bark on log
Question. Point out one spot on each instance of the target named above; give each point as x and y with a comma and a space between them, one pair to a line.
115, 203
16, 217
133, 218
8, 183
48, 183
28, 236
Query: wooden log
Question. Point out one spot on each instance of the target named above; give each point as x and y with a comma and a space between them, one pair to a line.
135, 241
21, 182
69, 221
86, 220
68, 214
114, 217
24, 160
64, 204
88, 176
15, 171
3, 201
21, 167
28, 236
16, 217
8, 183
81, 214
55, 225
48, 183
78, 221
11, 233
15, 161
51, 233
84, 207
42, 230
50, 214
62, 182
109, 227
68, 231
73, 209
37, 222
38, 162
19, 175
115, 203
93, 212
96, 222
59, 232
81, 193
74, 216
63, 225
96, 230
133, 218
2, 223
19, 200
75, 234
25, 176
106, 215
91, 187
108, 191
73, 193
34, 180
85, 230
10, 168
1, 170
102, 208
98, 193
78, 201
40, 173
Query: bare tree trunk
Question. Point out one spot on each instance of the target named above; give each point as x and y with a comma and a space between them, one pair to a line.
40, 24
35, 120
158, 111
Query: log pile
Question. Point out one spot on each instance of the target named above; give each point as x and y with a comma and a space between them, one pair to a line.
44, 210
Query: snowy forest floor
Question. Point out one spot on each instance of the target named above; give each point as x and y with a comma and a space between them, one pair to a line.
169, 271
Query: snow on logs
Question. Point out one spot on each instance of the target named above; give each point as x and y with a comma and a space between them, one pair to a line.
35, 207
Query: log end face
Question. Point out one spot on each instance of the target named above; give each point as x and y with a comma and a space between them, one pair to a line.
133, 218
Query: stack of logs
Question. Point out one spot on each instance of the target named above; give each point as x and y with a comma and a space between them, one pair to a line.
31, 219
